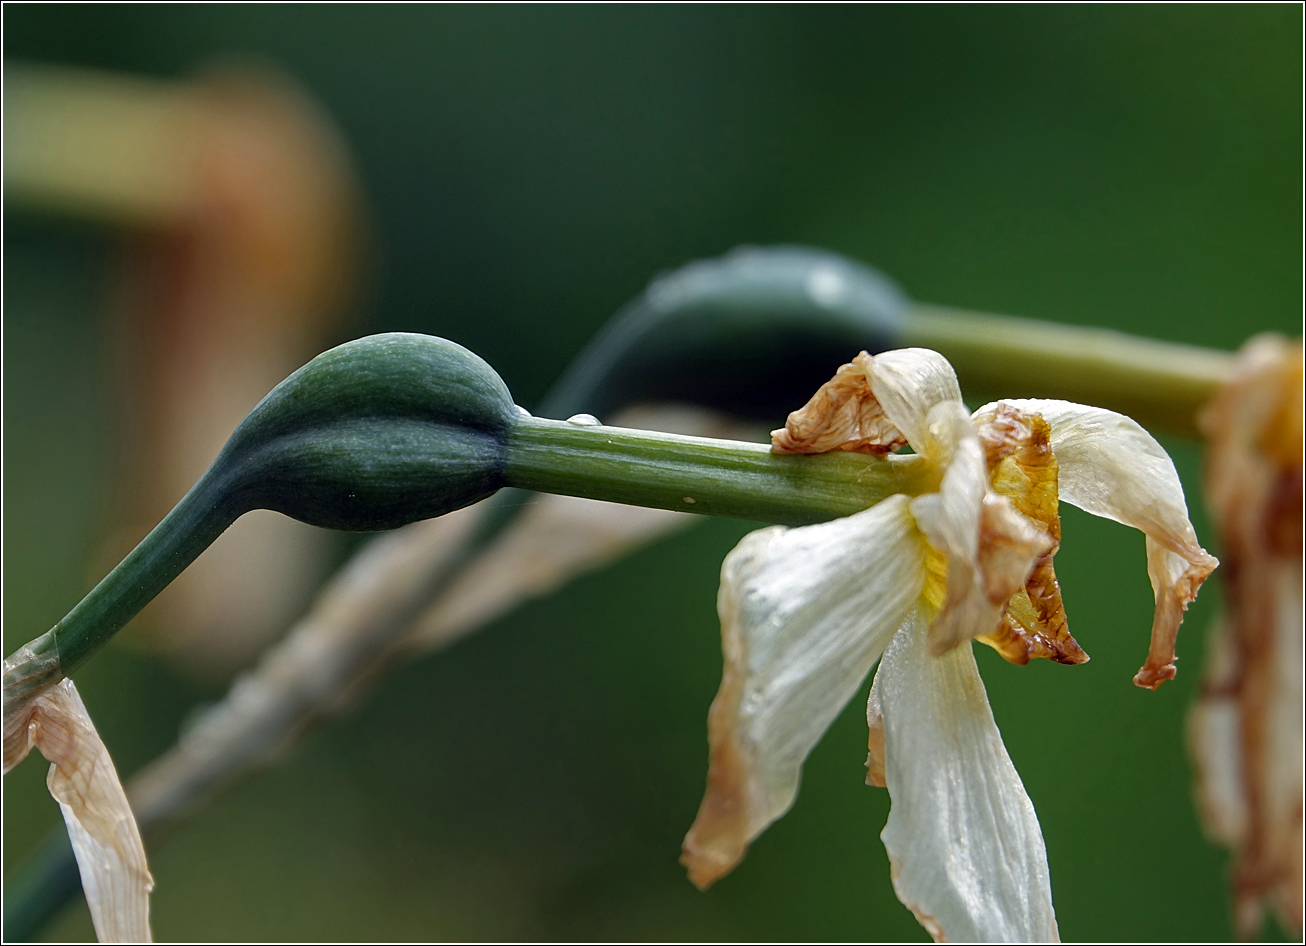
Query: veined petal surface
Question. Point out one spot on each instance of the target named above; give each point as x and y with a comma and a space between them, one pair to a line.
965, 848
842, 415
1112, 467
908, 383
805, 613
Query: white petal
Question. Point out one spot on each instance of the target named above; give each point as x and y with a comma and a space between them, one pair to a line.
950, 517
908, 383
106, 842
964, 844
805, 613
1112, 467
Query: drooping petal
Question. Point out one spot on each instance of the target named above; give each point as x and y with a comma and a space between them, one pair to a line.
805, 613
1112, 467
990, 548
842, 415
965, 849
909, 383
101, 826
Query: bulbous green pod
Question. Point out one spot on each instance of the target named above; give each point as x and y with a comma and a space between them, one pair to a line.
752, 333
373, 434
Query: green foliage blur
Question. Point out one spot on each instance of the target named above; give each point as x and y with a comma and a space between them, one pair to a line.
529, 169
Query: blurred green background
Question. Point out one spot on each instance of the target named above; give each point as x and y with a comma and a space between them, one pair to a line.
526, 171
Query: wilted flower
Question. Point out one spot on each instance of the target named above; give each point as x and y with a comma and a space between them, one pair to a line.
807, 612
1246, 732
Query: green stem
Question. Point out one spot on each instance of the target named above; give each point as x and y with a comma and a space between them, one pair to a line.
641, 468
1159, 384
709, 477
192, 525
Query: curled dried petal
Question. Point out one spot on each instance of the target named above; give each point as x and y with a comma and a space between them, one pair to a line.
1175, 581
1022, 467
105, 839
842, 415
1030, 630
1111, 467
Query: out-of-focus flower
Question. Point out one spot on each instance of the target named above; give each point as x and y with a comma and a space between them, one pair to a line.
1246, 731
235, 194
105, 839
807, 612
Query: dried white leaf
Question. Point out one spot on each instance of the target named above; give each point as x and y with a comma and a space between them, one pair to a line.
82, 779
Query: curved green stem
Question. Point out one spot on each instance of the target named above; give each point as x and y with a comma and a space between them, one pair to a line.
1158, 384
202, 515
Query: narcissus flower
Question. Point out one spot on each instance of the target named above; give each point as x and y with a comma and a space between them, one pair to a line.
806, 612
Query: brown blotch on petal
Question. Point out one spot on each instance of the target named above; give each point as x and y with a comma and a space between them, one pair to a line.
1029, 631
842, 415
931, 925
1022, 467
722, 830
1018, 451
875, 774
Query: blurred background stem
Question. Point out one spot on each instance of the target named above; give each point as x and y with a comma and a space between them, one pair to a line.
1160, 384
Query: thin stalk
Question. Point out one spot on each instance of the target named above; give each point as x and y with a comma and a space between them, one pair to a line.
708, 477
640, 468
1159, 384
192, 525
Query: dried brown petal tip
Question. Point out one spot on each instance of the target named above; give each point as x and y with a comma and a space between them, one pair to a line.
842, 415
1177, 583
719, 837
875, 755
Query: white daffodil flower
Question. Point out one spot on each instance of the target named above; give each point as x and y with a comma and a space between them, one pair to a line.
806, 613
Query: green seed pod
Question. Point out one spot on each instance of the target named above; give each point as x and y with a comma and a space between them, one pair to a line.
371, 435
752, 334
